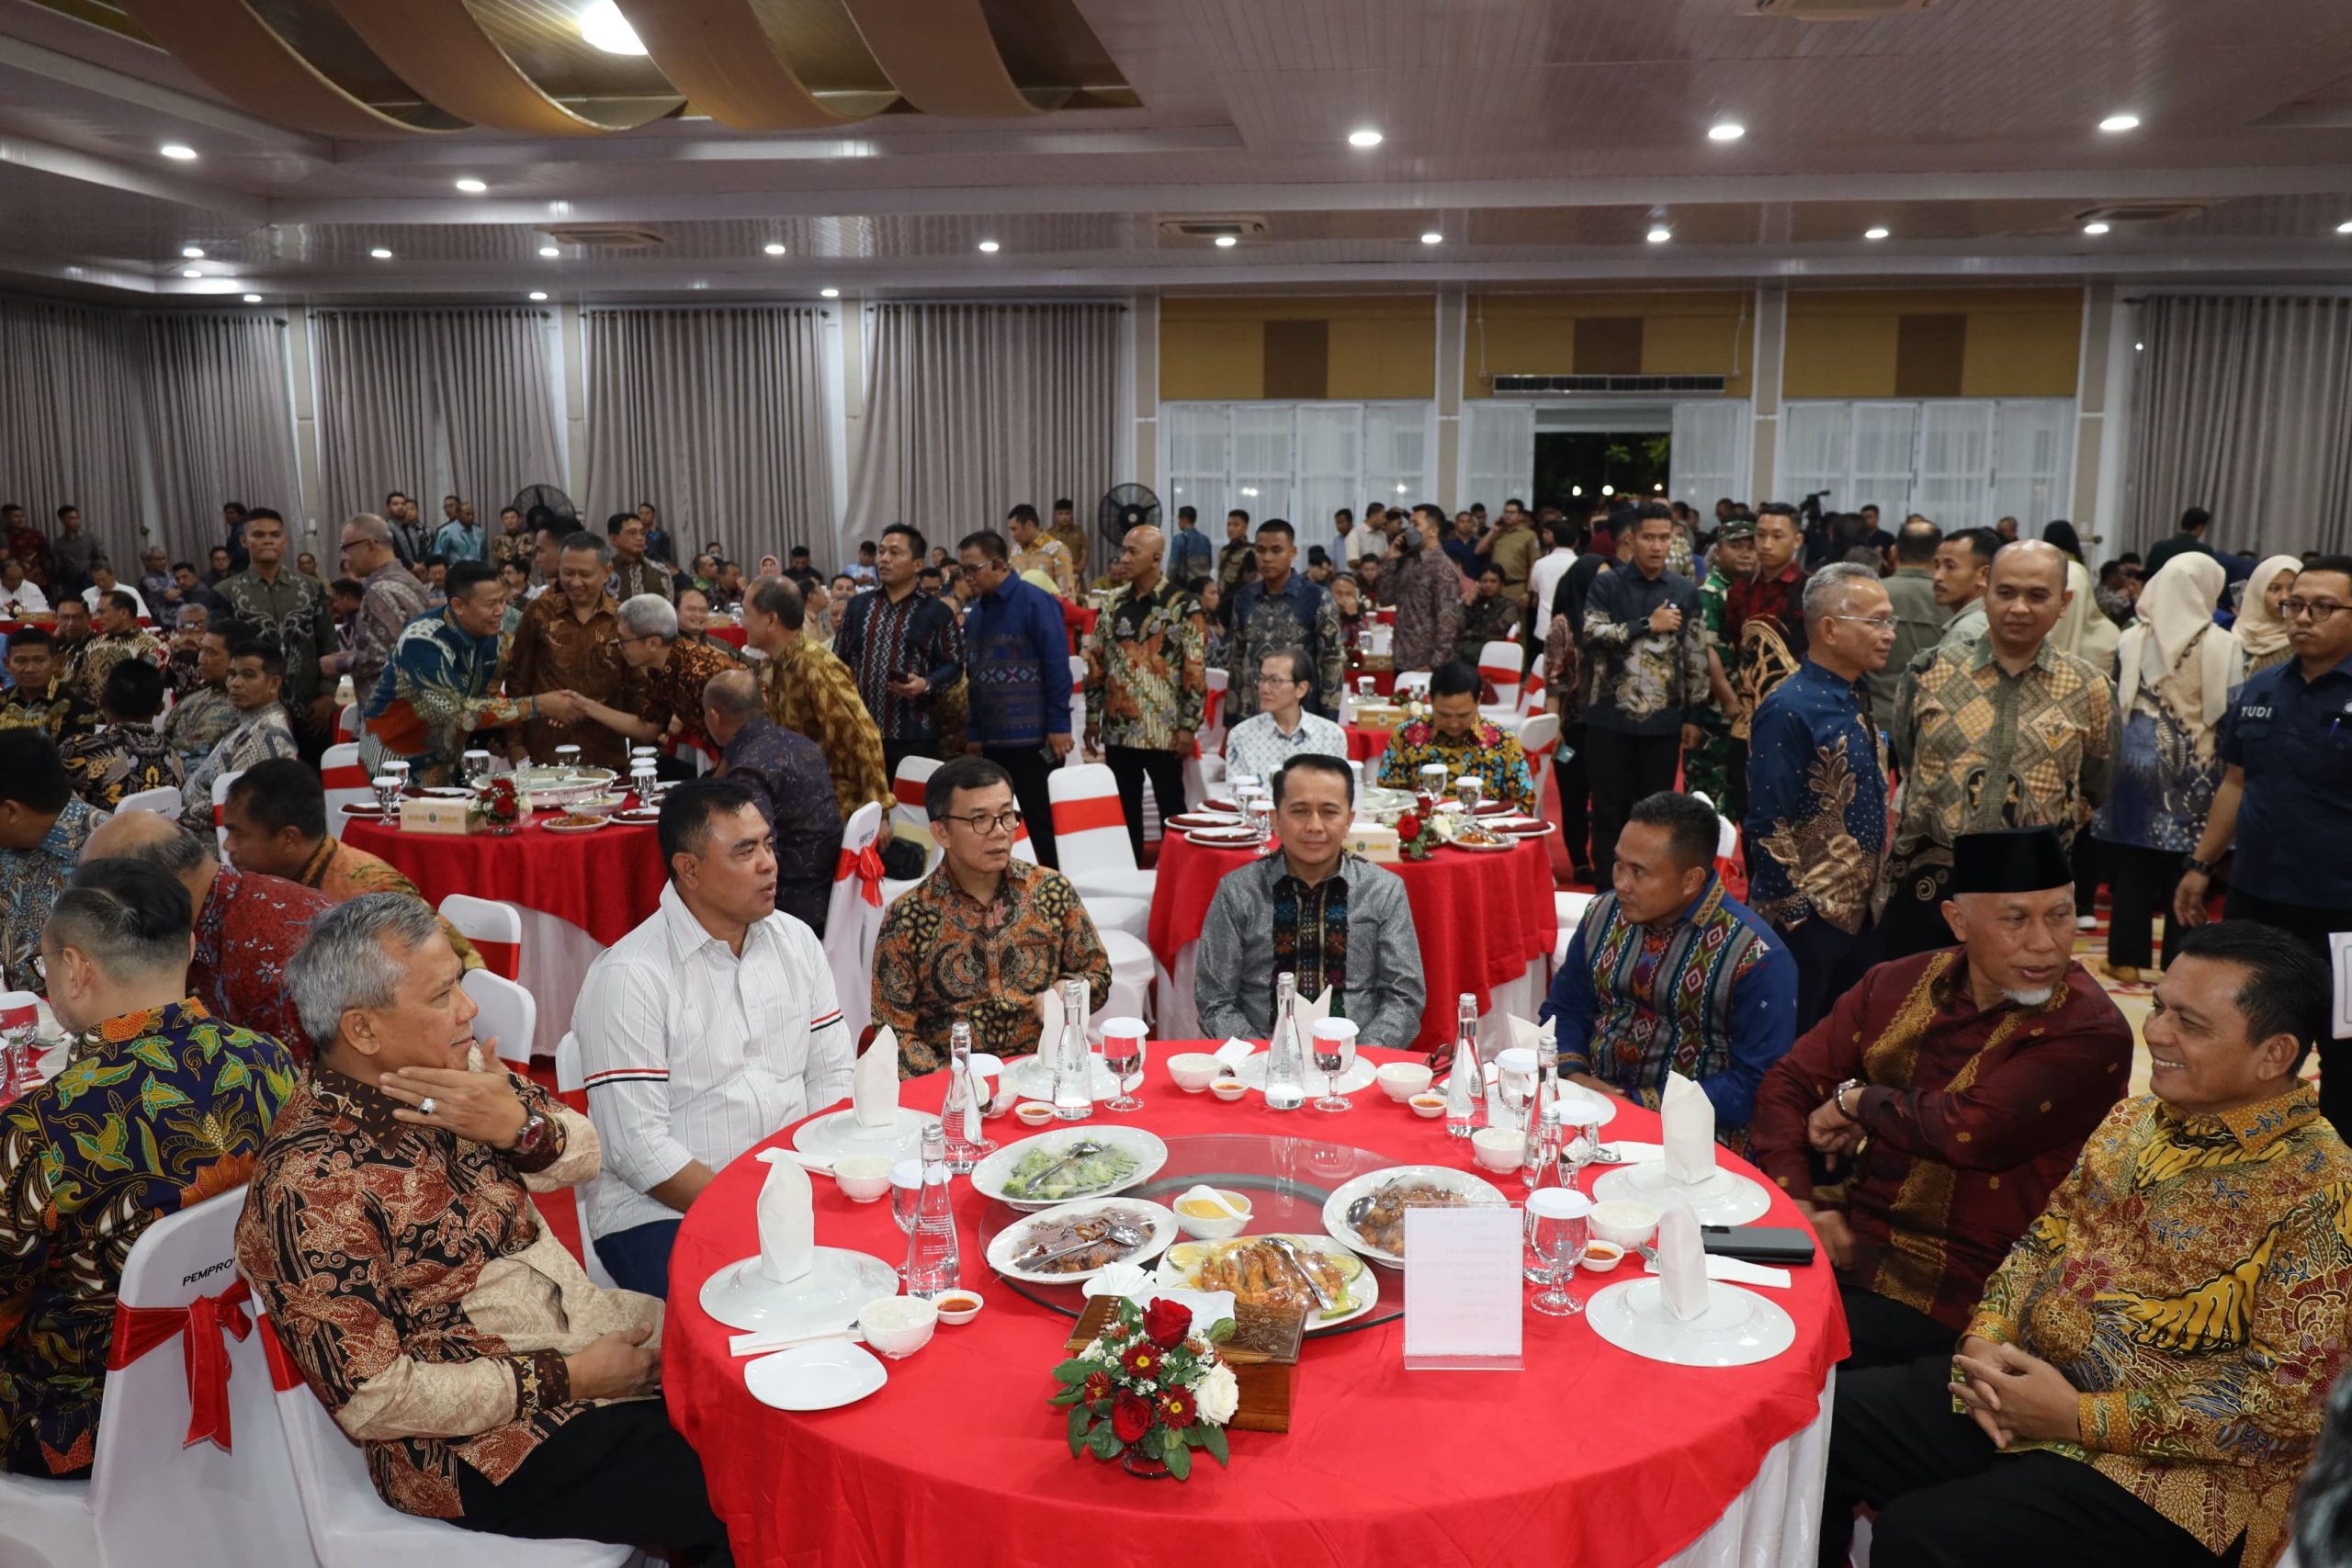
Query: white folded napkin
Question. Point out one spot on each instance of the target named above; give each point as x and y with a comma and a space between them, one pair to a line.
1740, 1272
1049, 1032
1235, 1051
874, 1082
788, 1218
1530, 1036
1313, 1010
1632, 1151
1689, 1118
1681, 1264
1142, 1287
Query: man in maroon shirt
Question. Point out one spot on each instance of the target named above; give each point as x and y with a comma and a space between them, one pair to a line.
1946, 1096
1764, 639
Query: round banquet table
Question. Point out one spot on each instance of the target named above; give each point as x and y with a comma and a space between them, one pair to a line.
1366, 744
1590, 1456
580, 893
728, 632
1485, 920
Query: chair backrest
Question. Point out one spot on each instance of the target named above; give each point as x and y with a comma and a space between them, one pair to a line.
346, 723
1538, 733
1090, 827
852, 924
509, 1014
164, 801
1212, 736
345, 779
1500, 664
1411, 682
495, 930
146, 1486
220, 787
911, 817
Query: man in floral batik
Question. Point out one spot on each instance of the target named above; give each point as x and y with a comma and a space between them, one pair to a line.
1146, 669
1465, 743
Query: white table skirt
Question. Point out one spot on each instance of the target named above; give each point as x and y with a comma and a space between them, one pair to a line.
1180, 1019
1776, 1522
556, 956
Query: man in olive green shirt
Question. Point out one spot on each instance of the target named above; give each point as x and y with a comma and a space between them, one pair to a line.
1920, 621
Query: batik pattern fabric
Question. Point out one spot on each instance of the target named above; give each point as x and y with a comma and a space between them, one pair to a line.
30, 882
256, 737
810, 691
339, 873
1051, 557
390, 598
1147, 668
1311, 938
1764, 623
1637, 681
250, 926
179, 675
60, 712
1485, 620
2163, 788
1016, 664
154, 1112
29, 546
673, 689
784, 770
438, 689
555, 650
516, 547
1427, 592
1486, 754
2188, 1277
92, 662
1816, 802
1562, 680
1235, 561
295, 611
120, 760
879, 639
630, 579
945, 958
1300, 617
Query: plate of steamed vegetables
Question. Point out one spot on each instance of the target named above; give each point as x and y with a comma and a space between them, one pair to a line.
1066, 1164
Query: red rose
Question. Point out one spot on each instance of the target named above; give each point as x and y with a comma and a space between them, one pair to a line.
1165, 1323
1130, 1417
1408, 827
1141, 1360
1098, 1387
1177, 1408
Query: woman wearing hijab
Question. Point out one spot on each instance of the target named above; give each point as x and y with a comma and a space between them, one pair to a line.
2062, 533
2176, 671
2261, 631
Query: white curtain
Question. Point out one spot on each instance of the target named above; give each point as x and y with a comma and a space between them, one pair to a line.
719, 418
2034, 461
1955, 456
1885, 460
1712, 451
1498, 453
220, 418
1816, 449
1961, 462
973, 409
68, 421
1300, 462
2246, 409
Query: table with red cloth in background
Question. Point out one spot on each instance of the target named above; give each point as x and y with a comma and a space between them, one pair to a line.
580, 893
1590, 1456
1484, 920
1366, 744
729, 633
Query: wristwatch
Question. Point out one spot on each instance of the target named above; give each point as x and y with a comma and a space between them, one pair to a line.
2202, 867
1839, 1099
532, 1138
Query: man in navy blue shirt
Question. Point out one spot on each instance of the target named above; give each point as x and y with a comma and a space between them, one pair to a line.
1191, 561
1016, 662
2286, 800
1645, 669
1279, 611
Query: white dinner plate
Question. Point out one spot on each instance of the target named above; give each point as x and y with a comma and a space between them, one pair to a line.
1145, 1149
1361, 1076
829, 1296
1031, 1077
1182, 1258
1722, 1199
1504, 848
1335, 1208
839, 1133
1224, 838
591, 826
1607, 1103
1195, 819
367, 809
1015, 1240
815, 1377
1739, 1327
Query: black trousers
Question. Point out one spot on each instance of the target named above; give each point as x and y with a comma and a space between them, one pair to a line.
1947, 1499
2310, 924
1624, 769
1913, 921
1829, 961
1133, 764
1029, 769
1886, 1333
2143, 882
1576, 801
618, 1474
897, 751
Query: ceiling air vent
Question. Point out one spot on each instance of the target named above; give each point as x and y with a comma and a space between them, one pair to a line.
2141, 211
1835, 10
608, 236
1208, 231
1606, 386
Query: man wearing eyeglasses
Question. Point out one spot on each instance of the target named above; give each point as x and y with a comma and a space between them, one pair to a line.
1816, 790
2286, 800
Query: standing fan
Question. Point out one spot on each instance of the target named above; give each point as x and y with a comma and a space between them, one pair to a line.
1124, 507
554, 499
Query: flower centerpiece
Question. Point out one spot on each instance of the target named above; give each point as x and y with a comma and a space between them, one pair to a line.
498, 805
1148, 1390
1416, 833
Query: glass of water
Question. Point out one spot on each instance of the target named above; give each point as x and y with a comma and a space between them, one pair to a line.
1467, 789
1559, 1228
387, 792
906, 1192
1123, 1053
1261, 818
475, 768
567, 760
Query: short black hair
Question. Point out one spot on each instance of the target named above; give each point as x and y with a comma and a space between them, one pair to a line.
800, 552
1315, 762
31, 772
133, 692
2194, 519
1693, 828
959, 773
126, 912
280, 793
1237, 511
265, 514
1983, 543
349, 587
1188, 514
618, 520
187, 565
247, 643
467, 576
1276, 525
1343, 512
989, 542
1025, 513
912, 535
69, 506
1777, 509
1063, 504
122, 599
515, 510
780, 597
2287, 988
686, 812
2340, 566
1650, 509
1453, 679
31, 637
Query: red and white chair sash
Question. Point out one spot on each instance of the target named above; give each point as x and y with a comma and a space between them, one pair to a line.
866, 864
1088, 813
199, 1325
504, 959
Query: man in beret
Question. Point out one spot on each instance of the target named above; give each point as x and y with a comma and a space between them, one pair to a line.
1925, 1121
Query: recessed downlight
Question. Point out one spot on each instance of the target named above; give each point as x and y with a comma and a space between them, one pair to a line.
253, 298
602, 23
550, 251
191, 272
829, 293
1874, 234
1727, 130
773, 248
988, 247
472, 186
192, 252
381, 254
538, 294
2093, 228
2345, 226
2115, 122
1660, 234
1366, 137
1432, 238
178, 150
1226, 241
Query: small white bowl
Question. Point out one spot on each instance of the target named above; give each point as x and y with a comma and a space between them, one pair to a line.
1227, 1089
1599, 1257
959, 1306
1402, 1080
1498, 1148
1428, 1105
862, 1178
898, 1325
1219, 1227
1624, 1220
1194, 1070
1033, 1112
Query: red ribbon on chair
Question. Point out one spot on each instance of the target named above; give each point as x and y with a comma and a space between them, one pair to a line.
200, 1324
1087, 812
866, 864
504, 959
283, 1373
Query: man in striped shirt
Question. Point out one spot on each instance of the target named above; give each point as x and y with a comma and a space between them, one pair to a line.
701, 1032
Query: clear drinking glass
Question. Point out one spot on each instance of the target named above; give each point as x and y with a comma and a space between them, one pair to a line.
1467, 789
1515, 1080
475, 768
1123, 1053
1261, 818
1583, 1143
398, 770
1333, 1043
567, 760
905, 1194
1559, 1227
387, 792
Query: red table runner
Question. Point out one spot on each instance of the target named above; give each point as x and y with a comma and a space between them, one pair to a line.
1481, 916
1591, 1456
605, 881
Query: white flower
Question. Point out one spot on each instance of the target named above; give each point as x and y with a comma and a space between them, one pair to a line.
1218, 1392
1097, 1351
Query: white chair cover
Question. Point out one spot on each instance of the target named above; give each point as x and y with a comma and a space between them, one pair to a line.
852, 923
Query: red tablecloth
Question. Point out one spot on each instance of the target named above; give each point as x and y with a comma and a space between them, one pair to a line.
728, 633
1482, 917
604, 881
1590, 1456
1366, 744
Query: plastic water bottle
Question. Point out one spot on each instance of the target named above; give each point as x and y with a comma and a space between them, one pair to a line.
1074, 1061
1466, 1085
934, 1261
1286, 1056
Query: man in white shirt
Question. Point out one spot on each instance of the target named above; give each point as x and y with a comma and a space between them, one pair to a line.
1259, 746
19, 595
702, 1031
1543, 576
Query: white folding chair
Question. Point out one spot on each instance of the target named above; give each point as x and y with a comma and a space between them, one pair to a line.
164, 801
509, 1015
1130, 916
911, 820
1091, 833
345, 779
572, 1087
1132, 968
1077, 708
346, 723
1500, 664
1412, 683
496, 931
220, 787
1568, 909
852, 921
151, 1497
1212, 725
1538, 734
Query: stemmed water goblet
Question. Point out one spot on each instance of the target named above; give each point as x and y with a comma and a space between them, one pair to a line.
1559, 1228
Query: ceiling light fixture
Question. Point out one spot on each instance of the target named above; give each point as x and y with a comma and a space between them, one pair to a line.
253, 298
191, 272
2120, 122
472, 186
381, 254
550, 251
1660, 234
829, 293
2345, 228
1367, 137
1432, 238
192, 252
1874, 233
179, 150
1609, 489
988, 247
773, 248
1727, 130
2093, 228
1226, 241
538, 294
602, 23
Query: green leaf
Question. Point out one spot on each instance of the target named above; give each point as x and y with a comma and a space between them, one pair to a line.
1069, 1395
1078, 1419
1104, 1442
1075, 1369
1212, 1439
1180, 1460
1220, 1331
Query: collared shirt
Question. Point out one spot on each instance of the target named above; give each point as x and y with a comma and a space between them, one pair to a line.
1147, 668
555, 650
255, 738
1073, 539
296, 610
157, 1110
339, 873
1543, 576
810, 691
458, 540
73, 554
24, 599
1488, 754
122, 758
30, 882
1235, 561
879, 639
392, 597
2189, 1278
1764, 623
1988, 749
1016, 663
95, 659
945, 958
1513, 549
2293, 737
1711, 995
437, 690
1051, 557
413, 1282
1919, 625
250, 926
1352, 931
1485, 620
179, 674
785, 771
1816, 802
643, 575
1974, 1116
1190, 559
673, 689
1427, 592
516, 546
62, 713
199, 720
411, 541
1639, 681
1298, 617
692, 1053
1258, 747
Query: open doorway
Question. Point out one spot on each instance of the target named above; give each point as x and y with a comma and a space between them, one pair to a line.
1576, 466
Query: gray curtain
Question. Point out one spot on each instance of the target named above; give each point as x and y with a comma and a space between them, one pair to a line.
220, 424
971, 409
433, 401
719, 417
2246, 409
68, 421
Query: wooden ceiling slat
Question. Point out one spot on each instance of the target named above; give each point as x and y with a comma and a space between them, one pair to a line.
940, 55
718, 54
241, 57
438, 49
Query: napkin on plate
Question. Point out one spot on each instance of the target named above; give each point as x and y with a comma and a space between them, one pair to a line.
1143, 1287
1681, 1261
1740, 1272
788, 1218
1528, 1036
1235, 1051
1690, 1120
1049, 1037
874, 1082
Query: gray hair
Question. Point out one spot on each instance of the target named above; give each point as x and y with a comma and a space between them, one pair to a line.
584, 540
202, 612
649, 615
733, 693
178, 853
369, 527
346, 963
1826, 590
